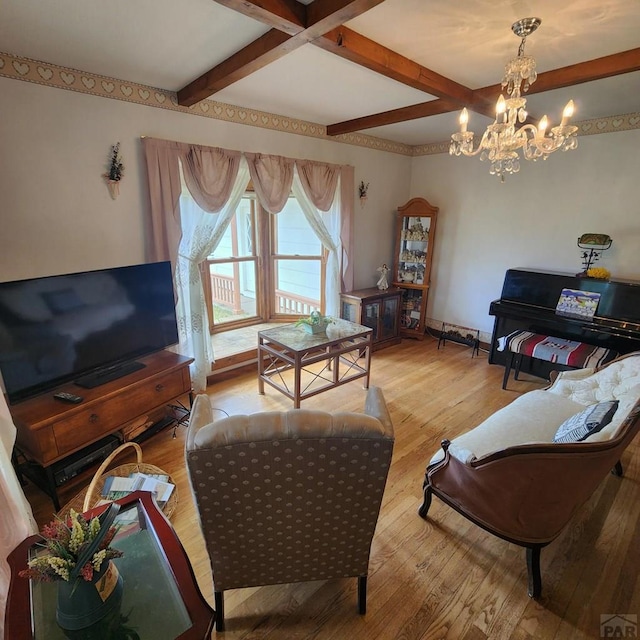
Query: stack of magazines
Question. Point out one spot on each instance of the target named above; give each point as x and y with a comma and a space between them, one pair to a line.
116, 487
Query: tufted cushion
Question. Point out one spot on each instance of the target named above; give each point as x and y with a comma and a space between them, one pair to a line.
588, 421
609, 383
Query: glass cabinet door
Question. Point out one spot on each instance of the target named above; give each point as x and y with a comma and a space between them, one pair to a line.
371, 317
389, 319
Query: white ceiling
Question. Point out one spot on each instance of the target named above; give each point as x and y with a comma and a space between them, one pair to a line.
167, 44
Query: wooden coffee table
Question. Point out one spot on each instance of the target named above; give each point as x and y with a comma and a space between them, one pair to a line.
301, 365
160, 599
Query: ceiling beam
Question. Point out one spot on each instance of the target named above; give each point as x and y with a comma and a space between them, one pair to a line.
483, 100
613, 65
324, 18
319, 17
357, 48
267, 48
413, 112
288, 16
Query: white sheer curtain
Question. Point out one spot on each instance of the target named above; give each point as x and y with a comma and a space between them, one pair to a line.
326, 226
16, 521
201, 233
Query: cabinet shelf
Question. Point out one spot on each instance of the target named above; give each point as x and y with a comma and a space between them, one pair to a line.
415, 234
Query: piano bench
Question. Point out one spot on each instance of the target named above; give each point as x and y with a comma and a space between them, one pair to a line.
568, 353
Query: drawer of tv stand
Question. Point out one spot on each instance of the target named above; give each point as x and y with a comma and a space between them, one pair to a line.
106, 416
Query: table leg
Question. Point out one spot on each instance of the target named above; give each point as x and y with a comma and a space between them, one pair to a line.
297, 375
260, 368
367, 364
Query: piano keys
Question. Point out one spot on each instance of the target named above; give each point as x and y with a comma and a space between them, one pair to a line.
528, 302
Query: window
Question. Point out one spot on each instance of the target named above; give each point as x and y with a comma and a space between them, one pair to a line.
265, 267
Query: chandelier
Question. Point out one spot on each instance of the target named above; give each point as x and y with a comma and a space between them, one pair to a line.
502, 141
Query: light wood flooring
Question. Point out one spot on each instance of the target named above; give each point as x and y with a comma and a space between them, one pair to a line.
440, 578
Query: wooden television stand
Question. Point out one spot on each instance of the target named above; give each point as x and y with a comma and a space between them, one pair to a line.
50, 431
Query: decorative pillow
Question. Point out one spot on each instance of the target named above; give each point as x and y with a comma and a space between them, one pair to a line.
583, 424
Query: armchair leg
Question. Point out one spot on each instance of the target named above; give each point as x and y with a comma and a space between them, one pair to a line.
362, 595
533, 571
617, 470
426, 502
218, 597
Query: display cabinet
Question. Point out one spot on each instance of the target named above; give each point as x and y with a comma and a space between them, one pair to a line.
379, 310
415, 235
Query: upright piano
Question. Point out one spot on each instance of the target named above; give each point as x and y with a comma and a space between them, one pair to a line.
528, 302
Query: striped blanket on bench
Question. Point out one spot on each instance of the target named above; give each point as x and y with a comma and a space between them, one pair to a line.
558, 350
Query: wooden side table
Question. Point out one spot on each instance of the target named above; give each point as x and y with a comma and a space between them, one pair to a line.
301, 365
161, 598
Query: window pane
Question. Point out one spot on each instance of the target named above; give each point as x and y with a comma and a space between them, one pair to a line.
233, 290
297, 284
237, 240
294, 236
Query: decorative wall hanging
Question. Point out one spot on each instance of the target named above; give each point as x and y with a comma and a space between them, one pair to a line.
362, 192
115, 171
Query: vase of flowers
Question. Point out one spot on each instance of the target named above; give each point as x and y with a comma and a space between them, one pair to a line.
77, 555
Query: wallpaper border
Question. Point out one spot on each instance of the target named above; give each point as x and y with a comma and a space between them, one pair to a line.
51, 75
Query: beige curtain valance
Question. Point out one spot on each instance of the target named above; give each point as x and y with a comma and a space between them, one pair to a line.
210, 173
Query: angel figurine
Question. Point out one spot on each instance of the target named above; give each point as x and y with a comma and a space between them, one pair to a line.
383, 282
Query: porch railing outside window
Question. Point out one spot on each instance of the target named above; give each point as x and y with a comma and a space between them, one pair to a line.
266, 266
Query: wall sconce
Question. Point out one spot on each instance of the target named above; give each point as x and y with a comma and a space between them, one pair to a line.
362, 192
596, 243
115, 171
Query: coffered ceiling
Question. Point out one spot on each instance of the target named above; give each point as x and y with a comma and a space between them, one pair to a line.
395, 69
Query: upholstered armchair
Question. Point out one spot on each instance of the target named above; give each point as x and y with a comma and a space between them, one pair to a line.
288, 496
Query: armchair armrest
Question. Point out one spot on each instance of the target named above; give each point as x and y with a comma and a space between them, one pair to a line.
376, 407
201, 415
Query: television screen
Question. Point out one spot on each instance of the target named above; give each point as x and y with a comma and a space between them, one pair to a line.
59, 328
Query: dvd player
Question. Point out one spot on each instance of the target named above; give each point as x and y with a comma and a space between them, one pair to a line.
79, 461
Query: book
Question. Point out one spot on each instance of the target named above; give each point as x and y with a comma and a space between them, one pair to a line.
577, 304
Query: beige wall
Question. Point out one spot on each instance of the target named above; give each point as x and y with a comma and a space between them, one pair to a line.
531, 220
57, 215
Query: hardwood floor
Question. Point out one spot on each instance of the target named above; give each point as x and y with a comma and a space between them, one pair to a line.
439, 578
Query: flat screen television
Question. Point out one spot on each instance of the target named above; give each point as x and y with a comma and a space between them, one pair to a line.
84, 327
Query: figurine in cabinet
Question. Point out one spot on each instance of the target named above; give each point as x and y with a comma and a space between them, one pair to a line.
383, 282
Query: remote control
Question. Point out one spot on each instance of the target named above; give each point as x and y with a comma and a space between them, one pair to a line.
67, 397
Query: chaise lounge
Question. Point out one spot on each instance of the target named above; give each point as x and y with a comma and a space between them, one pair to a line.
523, 472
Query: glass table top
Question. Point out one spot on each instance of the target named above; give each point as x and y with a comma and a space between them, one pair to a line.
295, 338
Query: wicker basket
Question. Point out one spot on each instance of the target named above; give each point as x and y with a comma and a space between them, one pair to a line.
85, 500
